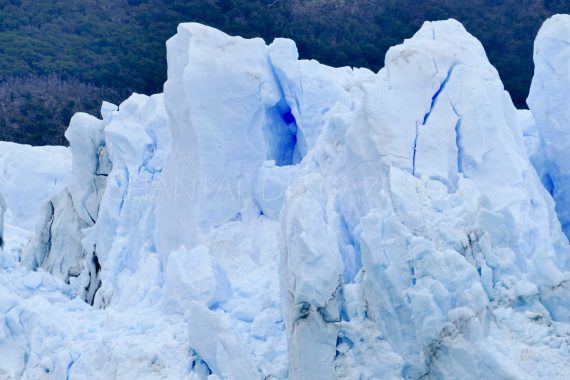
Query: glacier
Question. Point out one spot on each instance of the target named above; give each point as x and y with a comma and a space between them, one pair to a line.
267, 217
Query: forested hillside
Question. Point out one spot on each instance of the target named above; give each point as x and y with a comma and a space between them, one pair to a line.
63, 56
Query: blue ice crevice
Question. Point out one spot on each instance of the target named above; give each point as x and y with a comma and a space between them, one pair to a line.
343, 344
415, 150
282, 133
434, 99
435, 96
412, 272
199, 366
458, 139
69, 365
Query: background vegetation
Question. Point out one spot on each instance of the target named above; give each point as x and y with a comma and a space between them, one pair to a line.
62, 56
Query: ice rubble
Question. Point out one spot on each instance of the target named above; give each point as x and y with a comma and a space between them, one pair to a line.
269, 217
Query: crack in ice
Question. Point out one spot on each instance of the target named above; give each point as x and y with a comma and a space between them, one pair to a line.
427, 115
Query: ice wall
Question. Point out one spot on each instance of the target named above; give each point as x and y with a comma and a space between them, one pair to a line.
269, 217
549, 102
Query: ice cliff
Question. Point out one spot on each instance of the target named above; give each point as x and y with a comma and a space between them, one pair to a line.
548, 100
269, 217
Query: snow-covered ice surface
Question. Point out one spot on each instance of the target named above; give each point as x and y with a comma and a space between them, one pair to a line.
268, 217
